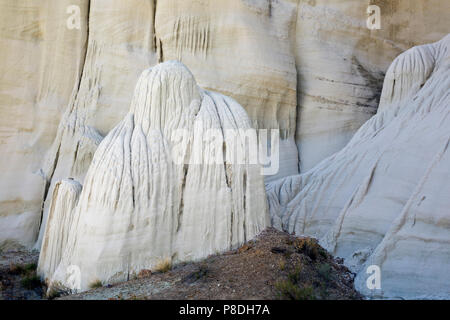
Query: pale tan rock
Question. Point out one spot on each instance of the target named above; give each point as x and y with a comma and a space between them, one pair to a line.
41, 61
65, 197
247, 43
310, 68
341, 64
120, 46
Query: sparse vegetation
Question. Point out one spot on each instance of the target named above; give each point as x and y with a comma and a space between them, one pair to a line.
31, 281
295, 277
324, 271
201, 272
96, 284
294, 288
30, 267
275, 265
164, 265
53, 294
282, 264
18, 269
310, 247
18, 277
292, 291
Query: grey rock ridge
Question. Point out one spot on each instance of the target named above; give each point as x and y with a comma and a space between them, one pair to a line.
383, 200
310, 68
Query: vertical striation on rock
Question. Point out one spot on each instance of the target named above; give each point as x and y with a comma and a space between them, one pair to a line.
341, 64
64, 199
120, 45
41, 61
261, 75
152, 192
309, 68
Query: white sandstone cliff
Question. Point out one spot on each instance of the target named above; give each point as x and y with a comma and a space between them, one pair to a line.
384, 199
310, 68
150, 195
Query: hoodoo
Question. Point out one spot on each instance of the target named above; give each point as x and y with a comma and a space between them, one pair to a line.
139, 205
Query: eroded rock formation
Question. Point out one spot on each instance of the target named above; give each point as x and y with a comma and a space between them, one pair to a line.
152, 192
309, 68
383, 200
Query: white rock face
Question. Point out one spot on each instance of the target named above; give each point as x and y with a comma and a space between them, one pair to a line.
341, 64
149, 195
65, 198
120, 45
310, 68
41, 60
383, 200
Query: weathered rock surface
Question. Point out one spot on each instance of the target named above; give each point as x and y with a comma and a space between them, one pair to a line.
149, 196
310, 68
41, 62
57, 229
341, 64
383, 199
120, 45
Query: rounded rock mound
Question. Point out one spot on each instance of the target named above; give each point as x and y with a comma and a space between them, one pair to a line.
164, 186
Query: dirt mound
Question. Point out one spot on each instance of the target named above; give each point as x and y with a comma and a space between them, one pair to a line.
275, 265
